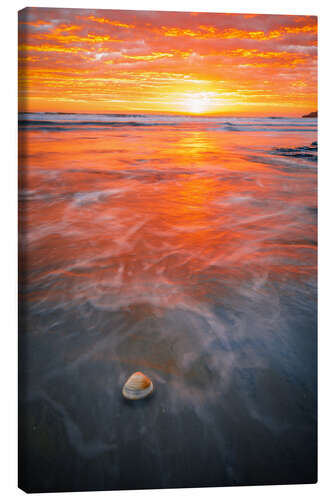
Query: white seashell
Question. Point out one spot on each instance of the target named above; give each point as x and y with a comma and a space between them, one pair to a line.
138, 386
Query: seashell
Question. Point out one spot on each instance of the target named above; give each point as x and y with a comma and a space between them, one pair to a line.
138, 386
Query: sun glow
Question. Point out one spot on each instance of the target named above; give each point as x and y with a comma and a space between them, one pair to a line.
198, 103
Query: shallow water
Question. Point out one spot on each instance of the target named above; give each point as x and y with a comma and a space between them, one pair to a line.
184, 248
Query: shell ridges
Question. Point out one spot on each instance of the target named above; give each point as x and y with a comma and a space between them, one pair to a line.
138, 386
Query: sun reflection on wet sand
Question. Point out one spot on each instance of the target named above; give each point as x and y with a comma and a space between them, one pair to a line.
142, 224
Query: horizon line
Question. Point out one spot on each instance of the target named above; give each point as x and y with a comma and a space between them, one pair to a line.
192, 115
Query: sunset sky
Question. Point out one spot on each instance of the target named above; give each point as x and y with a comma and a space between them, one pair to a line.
104, 61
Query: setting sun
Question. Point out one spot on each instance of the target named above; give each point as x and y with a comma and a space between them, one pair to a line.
197, 103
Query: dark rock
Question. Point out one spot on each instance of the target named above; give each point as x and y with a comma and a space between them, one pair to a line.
313, 114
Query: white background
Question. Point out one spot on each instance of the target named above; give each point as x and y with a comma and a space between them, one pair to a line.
8, 261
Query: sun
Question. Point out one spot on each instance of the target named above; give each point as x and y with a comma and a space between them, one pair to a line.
197, 103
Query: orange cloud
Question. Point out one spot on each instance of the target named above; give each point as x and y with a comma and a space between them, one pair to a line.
57, 35
149, 57
35, 23
50, 48
206, 32
102, 20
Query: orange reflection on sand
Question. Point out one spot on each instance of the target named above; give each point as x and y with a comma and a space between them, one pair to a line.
161, 217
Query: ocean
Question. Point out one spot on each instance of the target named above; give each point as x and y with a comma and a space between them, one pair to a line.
183, 247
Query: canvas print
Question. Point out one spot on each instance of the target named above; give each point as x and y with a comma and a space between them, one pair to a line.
167, 249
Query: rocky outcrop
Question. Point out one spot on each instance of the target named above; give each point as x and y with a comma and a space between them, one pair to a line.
313, 114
